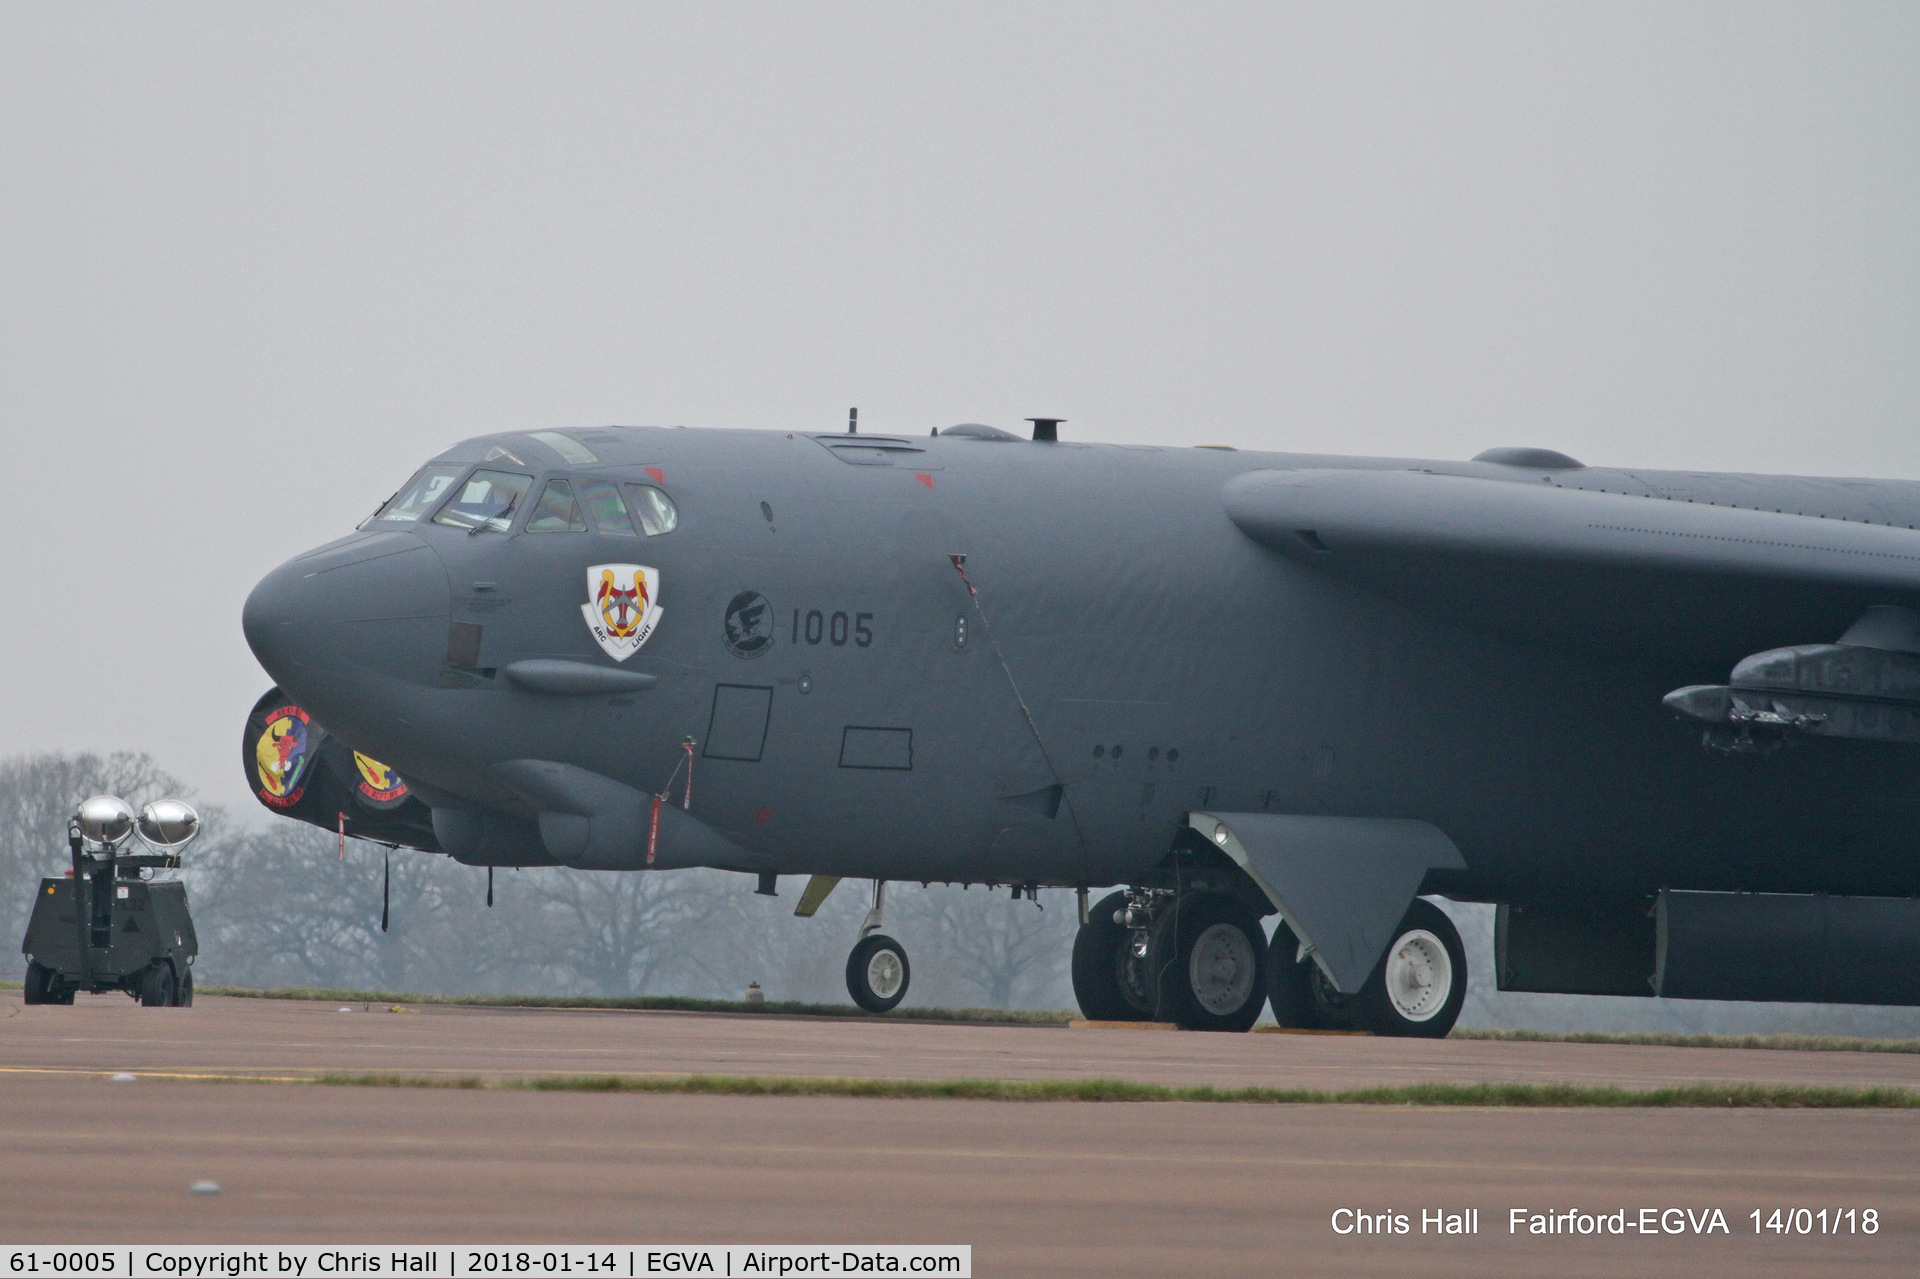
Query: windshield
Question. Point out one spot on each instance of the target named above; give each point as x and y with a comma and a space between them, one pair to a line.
654, 509
609, 512
417, 496
486, 501
557, 511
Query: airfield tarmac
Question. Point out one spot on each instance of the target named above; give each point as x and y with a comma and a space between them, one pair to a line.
1036, 1188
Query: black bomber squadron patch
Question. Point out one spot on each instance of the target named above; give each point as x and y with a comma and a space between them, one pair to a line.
749, 624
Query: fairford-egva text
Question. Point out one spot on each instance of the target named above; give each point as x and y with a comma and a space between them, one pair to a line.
1621, 1221
1433, 1221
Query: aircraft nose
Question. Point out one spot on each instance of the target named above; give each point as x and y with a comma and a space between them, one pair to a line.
374, 606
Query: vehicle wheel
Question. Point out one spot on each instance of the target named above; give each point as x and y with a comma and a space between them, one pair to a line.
157, 985
1109, 982
183, 997
35, 988
1299, 993
878, 973
1420, 983
1210, 955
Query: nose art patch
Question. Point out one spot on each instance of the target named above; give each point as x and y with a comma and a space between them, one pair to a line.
748, 627
623, 607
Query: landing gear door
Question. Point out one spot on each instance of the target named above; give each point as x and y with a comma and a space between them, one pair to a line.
1341, 883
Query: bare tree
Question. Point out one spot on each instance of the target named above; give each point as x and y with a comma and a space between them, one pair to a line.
1003, 948
615, 932
280, 905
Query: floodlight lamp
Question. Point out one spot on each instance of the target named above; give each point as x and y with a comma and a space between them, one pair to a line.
106, 820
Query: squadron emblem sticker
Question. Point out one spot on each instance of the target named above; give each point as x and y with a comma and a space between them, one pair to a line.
379, 785
281, 755
749, 625
623, 607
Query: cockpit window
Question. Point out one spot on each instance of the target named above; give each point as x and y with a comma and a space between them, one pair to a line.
575, 453
609, 513
418, 496
557, 512
486, 501
653, 509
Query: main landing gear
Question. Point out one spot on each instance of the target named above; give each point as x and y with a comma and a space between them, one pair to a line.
1416, 989
1198, 960
877, 970
1203, 962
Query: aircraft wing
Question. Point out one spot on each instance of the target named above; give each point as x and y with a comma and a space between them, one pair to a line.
1673, 581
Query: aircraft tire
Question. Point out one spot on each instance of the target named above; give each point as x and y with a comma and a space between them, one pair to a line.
38, 984
157, 985
183, 997
1297, 991
1210, 954
878, 973
1420, 983
1108, 983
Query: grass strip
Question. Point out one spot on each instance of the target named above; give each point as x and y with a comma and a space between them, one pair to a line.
1517, 1095
652, 1003
1790, 1043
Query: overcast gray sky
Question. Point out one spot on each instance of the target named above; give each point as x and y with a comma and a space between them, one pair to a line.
259, 261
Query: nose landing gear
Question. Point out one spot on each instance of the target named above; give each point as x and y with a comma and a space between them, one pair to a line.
877, 970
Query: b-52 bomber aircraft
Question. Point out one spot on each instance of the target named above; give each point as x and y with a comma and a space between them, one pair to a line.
1666, 721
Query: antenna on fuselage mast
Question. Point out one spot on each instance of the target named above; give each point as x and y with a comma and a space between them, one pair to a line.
853, 421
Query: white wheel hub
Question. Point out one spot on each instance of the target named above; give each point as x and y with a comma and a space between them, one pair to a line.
885, 973
1222, 969
1419, 975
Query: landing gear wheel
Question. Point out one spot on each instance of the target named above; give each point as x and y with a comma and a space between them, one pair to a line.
877, 973
38, 987
158, 989
1418, 987
1210, 955
184, 996
1109, 981
1301, 996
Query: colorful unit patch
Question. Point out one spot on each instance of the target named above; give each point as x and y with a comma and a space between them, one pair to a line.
623, 607
379, 784
281, 757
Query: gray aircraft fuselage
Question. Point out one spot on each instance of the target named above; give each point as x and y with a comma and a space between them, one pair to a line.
1132, 655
